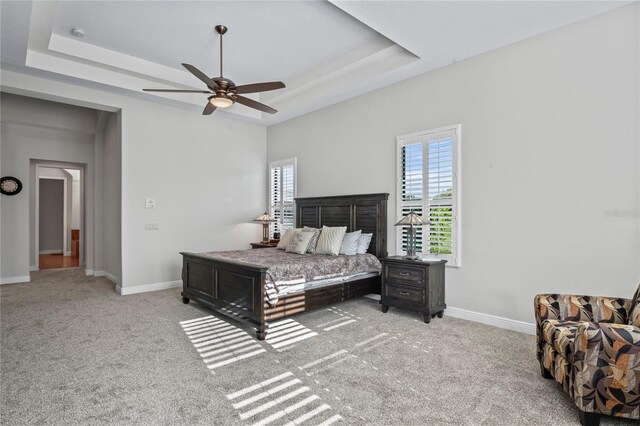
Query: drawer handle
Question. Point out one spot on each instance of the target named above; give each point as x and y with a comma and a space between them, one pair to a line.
404, 274
404, 293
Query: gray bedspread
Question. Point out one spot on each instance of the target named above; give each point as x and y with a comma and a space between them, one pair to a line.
286, 269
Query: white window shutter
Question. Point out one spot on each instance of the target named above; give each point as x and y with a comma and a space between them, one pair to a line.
282, 193
427, 185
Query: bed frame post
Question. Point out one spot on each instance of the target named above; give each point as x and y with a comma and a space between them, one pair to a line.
261, 332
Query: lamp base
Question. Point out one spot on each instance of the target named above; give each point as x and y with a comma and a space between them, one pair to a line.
411, 257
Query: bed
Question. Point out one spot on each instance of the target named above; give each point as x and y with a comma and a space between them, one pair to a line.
238, 286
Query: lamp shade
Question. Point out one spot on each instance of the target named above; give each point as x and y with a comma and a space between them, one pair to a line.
411, 219
264, 218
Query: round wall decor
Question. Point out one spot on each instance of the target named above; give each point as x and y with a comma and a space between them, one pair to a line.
10, 185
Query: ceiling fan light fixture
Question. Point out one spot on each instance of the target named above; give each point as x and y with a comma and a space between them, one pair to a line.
221, 102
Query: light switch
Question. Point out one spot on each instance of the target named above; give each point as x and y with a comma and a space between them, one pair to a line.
150, 203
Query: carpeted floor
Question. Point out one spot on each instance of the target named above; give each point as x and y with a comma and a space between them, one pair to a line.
75, 352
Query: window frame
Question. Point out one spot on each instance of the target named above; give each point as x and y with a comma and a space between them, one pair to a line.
282, 163
455, 258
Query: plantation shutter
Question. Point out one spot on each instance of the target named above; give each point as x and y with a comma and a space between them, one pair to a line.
282, 189
427, 186
439, 148
412, 187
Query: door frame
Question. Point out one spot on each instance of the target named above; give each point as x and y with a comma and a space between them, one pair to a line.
65, 243
66, 237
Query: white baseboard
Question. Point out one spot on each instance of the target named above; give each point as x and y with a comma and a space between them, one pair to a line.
509, 324
107, 275
33, 269
147, 287
51, 251
15, 280
88, 272
67, 253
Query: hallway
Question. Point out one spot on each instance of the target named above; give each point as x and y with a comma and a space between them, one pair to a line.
54, 261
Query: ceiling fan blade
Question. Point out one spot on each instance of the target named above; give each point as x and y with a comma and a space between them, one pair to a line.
208, 109
176, 91
202, 76
254, 104
259, 87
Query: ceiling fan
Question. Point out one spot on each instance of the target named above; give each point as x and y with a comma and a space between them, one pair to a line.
224, 91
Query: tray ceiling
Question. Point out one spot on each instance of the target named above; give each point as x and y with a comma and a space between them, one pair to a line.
325, 52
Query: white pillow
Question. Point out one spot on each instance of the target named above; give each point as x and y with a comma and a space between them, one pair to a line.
363, 243
349, 244
284, 240
299, 241
330, 240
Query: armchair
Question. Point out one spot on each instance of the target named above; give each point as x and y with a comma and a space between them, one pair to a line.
591, 347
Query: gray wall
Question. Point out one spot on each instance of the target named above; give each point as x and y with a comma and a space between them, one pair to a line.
51, 206
207, 174
47, 131
112, 206
550, 161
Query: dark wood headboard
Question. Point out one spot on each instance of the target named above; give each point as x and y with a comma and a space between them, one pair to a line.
365, 211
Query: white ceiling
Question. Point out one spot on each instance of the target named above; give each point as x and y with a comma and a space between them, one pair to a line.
325, 52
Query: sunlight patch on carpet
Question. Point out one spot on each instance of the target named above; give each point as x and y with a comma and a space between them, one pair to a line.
283, 334
219, 343
284, 398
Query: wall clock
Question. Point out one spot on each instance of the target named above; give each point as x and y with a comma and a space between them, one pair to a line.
10, 185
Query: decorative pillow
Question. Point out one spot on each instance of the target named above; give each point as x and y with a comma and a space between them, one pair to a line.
299, 241
314, 239
350, 243
634, 314
285, 239
330, 240
363, 243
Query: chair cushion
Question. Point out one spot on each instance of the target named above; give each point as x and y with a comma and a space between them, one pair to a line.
560, 334
634, 313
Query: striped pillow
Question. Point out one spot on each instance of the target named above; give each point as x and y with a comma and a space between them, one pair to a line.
330, 240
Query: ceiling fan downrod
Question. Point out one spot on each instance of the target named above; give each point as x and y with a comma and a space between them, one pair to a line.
221, 29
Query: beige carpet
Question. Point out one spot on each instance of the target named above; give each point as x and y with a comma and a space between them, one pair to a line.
75, 352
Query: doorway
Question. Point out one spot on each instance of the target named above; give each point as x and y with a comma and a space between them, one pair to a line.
59, 216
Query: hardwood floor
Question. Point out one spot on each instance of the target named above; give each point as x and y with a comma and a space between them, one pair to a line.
54, 261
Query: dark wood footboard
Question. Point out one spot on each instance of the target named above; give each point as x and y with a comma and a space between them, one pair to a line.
218, 285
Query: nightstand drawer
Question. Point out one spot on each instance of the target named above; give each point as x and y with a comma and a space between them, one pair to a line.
405, 274
406, 294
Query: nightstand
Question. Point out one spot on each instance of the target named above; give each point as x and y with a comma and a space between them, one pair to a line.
264, 245
413, 285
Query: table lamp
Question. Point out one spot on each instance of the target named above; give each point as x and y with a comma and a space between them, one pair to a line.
411, 220
265, 219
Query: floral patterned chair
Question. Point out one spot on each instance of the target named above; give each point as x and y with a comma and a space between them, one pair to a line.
591, 347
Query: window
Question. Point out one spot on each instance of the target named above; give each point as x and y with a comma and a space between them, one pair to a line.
428, 182
282, 193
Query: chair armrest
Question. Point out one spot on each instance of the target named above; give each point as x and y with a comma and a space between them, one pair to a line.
606, 369
581, 308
